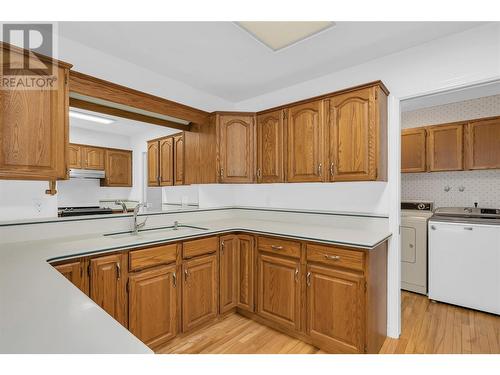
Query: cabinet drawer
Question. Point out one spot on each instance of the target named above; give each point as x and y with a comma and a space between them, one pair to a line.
335, 256
151, 257
278, 246
194, 248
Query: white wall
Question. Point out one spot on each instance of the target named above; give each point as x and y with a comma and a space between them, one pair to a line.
482, 187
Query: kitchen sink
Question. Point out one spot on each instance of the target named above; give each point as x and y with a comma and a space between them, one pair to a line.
181, 228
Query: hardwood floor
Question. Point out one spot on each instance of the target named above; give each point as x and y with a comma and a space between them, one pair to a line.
438, 328
236, 334
426, 328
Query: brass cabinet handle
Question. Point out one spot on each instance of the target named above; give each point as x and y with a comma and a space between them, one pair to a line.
222, 248
118, 270
296, 277
259, 173
332, 169
308, 279
275, 247
222, 173
174, 279
320, 168
186, 274
332, 257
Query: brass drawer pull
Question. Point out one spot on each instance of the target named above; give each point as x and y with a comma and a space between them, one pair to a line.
275, 247
174, 279
308, 279
332, 257
296, 276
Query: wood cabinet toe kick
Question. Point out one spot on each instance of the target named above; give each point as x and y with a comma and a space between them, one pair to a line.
333, 297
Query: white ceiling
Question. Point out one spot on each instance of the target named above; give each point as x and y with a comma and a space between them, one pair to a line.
222, 59
121, 126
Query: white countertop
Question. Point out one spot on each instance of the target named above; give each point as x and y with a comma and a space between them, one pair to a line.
41, 312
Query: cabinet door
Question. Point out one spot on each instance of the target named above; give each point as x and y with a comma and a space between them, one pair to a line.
236, 148
118, 168
153, 164
413, 158
108, 280
93, 157
200, 291
270, 147
306, 143
33, 126
353, 138
74, 156
445, 147
166, 161
179, 160
228, 272
76, 272
483, 144
246, 266
153, 305
335, 309
279, 290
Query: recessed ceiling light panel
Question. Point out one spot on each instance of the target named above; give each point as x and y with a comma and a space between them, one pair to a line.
278, 35
84, 116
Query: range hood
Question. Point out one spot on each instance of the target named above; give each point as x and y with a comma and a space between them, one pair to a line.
86, 173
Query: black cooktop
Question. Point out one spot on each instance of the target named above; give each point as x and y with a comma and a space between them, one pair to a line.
80, 211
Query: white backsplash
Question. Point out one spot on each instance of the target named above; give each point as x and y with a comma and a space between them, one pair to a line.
480, 186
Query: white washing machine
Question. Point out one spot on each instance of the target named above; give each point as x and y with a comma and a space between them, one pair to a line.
414, 218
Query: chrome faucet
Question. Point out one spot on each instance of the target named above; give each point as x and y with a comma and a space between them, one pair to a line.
119, 202
137, 225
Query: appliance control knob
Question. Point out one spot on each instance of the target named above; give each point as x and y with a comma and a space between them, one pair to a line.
421, 206
433, 227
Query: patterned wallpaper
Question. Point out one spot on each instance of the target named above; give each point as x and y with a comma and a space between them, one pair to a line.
478, 186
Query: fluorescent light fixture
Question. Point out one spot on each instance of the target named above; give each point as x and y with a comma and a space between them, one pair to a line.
84, 116
278, 35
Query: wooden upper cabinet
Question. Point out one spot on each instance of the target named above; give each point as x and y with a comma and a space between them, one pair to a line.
270, 147
74, 156
153, 164
279, 290
153, 305
93, 157
358, 136
118, 166
236, 148
166, 157
199, 291
228, 272
413, 150
108, 279
306, 142
246, 268
335, 309
33, 122
76, 272
179, 159
445, 147
483, 144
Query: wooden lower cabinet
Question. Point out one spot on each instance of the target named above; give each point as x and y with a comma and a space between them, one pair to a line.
108, 281
76, 272
153, 305
228, 273
330, 296
335, 309
199, 291
246, 272
278, 290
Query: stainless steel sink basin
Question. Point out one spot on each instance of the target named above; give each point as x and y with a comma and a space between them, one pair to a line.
179, 228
